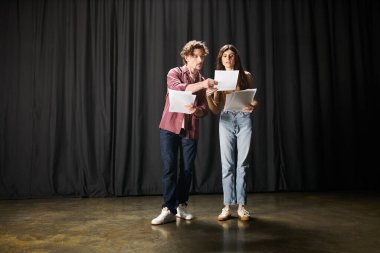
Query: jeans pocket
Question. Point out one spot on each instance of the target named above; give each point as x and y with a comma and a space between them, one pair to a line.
244, 114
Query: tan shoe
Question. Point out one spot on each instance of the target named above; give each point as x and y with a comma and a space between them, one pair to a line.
224, 215
243, 214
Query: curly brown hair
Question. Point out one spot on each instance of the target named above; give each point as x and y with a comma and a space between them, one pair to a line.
190, 46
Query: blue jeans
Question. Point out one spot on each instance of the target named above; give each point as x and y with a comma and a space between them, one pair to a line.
235, 131
176, 187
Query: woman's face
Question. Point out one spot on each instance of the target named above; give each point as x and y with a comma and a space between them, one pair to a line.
228, 59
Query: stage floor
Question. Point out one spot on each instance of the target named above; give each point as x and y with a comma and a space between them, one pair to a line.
282, 222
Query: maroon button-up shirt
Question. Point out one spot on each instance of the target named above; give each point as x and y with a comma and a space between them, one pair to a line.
177, 79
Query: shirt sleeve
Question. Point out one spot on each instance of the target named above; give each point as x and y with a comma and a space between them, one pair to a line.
201, 103
174, 81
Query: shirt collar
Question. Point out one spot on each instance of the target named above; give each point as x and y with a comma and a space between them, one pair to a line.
185, 69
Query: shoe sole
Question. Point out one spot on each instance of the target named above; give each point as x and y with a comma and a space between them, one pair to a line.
244, 218
157, 224
169, 221
224, 218
179, 217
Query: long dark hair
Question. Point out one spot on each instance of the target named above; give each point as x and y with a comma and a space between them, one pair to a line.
242, 80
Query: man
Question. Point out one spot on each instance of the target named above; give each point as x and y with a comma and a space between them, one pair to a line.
179, 132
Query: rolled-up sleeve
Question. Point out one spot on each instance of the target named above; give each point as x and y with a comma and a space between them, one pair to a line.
174, 80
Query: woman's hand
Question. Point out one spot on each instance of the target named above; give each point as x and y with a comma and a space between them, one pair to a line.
210, 91
250, 108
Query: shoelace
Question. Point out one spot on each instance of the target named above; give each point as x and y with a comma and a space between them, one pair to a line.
225, 211
183, 209
243, 211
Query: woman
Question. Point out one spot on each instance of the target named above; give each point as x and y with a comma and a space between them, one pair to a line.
235, 130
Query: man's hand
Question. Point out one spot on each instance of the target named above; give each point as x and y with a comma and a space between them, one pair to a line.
209, 83
191, 108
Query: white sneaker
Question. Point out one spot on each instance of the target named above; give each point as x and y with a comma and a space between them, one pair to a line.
183, 213
225, 214
243, 214
165, 217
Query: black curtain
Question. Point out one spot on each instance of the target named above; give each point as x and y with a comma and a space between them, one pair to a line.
83, 86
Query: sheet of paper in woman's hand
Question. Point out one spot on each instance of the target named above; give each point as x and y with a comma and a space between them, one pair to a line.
235, 101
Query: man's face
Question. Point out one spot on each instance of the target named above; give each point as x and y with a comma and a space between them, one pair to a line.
196, 60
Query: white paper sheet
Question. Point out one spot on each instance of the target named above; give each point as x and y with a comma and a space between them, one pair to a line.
227, 80
178, 100
239, 99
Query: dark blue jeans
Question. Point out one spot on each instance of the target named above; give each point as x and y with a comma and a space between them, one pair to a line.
176, 187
